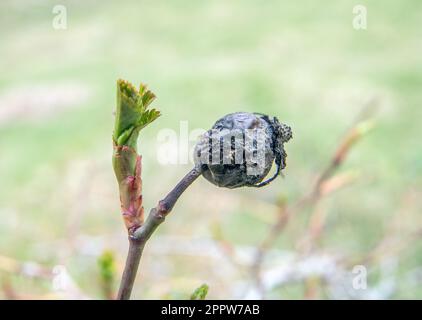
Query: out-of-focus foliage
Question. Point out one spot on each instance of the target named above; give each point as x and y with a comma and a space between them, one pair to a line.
200, 293
107, 266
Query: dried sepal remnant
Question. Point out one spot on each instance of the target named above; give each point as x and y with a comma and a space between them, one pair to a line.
132, 114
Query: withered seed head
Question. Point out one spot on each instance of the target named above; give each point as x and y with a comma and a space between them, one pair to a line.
240, 148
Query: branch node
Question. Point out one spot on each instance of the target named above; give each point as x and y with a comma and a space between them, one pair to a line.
164, 207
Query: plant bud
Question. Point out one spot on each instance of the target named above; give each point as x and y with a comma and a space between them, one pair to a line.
240, 148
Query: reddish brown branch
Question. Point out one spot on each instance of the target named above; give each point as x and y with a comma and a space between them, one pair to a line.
139, 237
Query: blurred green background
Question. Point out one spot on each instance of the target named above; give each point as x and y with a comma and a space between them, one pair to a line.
302, 62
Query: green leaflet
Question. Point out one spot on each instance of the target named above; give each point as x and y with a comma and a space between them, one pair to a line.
132, 113
124, 136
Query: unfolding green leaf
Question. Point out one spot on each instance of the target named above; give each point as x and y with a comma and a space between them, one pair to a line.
132, 113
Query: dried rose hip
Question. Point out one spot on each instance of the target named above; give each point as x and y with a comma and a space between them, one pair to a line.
240, 149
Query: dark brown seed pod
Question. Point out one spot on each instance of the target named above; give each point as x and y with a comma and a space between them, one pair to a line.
240, 148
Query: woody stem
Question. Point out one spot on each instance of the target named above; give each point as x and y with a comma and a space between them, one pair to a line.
139, 237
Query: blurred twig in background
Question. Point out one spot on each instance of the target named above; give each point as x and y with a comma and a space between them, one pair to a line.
325, 184
25, 269
63, 285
